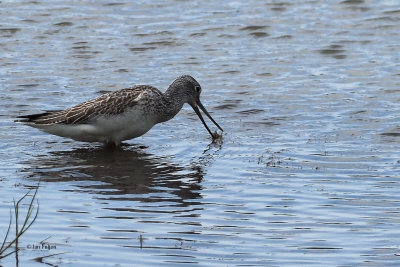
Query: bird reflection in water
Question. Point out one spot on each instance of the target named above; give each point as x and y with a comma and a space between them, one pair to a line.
128, 173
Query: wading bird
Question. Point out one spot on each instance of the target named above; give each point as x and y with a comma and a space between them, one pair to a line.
121, 115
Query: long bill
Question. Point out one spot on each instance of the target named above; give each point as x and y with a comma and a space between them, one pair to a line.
208, 115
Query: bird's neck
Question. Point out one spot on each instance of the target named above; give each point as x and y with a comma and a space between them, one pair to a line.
173, 100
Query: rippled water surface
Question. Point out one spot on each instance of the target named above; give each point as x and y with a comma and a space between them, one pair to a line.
307, 171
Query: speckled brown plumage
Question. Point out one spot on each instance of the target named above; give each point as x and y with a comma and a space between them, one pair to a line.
113, 103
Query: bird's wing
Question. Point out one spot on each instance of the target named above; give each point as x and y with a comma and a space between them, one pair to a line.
107, 104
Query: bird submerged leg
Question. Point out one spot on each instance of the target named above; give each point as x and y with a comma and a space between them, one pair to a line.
109, 143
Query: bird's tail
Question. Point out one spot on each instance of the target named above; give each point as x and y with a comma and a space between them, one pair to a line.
33, 118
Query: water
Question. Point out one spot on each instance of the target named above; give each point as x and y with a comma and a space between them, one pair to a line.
307, 172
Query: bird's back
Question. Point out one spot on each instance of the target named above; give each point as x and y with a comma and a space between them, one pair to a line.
112, 103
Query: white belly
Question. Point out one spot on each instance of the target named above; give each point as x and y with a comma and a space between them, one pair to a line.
105, 129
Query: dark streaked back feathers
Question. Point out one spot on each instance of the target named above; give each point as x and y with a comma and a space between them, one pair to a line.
107, 104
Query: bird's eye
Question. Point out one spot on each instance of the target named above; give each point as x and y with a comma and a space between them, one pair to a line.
197, 89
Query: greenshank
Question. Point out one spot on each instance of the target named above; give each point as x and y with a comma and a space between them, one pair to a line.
122, 115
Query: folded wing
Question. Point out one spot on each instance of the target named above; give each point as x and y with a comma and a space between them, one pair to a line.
108, 104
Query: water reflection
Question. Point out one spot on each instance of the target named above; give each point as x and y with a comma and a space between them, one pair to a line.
129, 173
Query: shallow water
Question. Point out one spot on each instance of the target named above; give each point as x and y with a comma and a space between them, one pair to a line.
307, 171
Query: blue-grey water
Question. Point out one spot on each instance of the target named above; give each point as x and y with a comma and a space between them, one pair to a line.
307, 171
